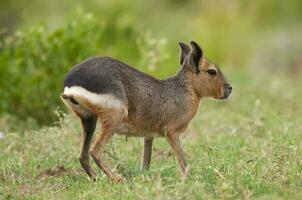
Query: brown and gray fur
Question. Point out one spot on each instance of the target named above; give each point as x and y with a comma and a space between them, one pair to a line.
132, 103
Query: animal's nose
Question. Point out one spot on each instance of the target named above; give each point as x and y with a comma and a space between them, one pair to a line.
228, 86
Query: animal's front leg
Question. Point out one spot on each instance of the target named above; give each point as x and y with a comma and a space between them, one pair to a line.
174, 142
147, 153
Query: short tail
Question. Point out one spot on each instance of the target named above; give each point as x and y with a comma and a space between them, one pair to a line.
72, 100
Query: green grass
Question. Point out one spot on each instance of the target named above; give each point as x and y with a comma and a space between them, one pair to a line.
247, 148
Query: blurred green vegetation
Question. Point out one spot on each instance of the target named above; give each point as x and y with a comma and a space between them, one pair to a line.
41, 41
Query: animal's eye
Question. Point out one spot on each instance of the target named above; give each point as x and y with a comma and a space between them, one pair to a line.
212, 72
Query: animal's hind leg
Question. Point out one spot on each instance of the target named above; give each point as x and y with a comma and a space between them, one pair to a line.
108, 125
88, 125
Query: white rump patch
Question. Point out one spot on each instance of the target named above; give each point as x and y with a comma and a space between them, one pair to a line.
103, 100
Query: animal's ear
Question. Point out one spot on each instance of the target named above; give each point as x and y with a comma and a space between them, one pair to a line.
184, 51
195, 56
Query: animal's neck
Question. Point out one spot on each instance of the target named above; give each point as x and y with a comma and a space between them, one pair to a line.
179, 79
183, 79
182, 82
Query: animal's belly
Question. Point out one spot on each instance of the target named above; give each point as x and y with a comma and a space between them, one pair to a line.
134, 131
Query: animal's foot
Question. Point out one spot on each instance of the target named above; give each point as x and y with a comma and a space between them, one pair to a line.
185, 174
116, 178
93, 176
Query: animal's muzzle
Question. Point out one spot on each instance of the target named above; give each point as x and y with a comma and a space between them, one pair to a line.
227, 91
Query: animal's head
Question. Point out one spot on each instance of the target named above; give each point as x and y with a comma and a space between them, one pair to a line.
206, 78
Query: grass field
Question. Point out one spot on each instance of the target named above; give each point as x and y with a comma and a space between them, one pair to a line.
247, 148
